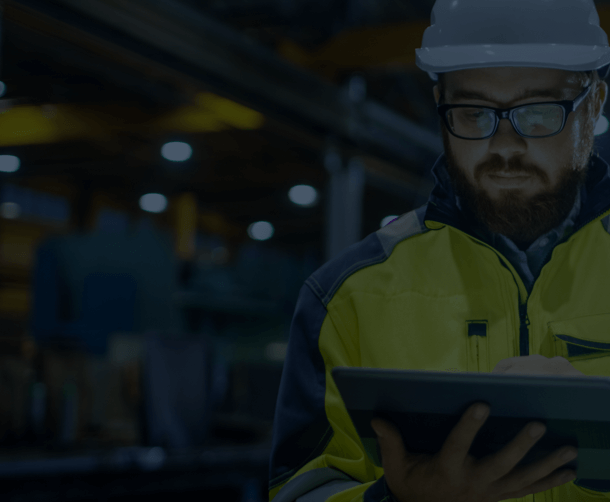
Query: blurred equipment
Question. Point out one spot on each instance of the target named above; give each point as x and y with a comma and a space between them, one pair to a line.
16, 378
89, 286
64, 373
177, 385
344, 204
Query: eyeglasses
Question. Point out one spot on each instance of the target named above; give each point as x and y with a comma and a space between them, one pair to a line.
534, 120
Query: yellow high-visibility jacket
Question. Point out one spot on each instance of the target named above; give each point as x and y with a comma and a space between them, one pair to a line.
428, 292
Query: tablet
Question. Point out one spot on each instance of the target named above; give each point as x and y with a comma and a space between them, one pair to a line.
426, 405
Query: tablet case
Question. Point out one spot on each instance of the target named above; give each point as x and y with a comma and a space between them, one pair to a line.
426, 405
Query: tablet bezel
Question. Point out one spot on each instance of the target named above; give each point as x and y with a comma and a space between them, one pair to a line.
514, 400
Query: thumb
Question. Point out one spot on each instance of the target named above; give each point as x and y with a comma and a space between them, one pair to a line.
384, 429
380, 427
390, 441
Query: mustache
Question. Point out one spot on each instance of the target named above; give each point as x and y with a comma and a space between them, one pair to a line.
513, 169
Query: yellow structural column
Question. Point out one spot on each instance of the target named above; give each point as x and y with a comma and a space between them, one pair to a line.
186, 214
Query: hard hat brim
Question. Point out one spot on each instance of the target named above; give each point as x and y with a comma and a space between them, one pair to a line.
557, 56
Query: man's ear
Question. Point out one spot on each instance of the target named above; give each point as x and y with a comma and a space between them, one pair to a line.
437, 94
602, 97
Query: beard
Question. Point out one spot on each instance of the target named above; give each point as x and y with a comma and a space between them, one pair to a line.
513, 213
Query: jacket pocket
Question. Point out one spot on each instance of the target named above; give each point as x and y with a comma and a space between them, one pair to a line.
585, 342
478, 360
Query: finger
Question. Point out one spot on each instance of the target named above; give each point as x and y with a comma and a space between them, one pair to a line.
551, 481
391, 445
457, 445
505, 363
499, 464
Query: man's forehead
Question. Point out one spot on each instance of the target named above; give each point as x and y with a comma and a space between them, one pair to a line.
519, 94
506, 85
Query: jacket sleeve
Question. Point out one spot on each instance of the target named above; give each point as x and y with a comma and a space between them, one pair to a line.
316, 452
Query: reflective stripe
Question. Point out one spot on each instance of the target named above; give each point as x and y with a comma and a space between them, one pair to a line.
310, 481
324, 492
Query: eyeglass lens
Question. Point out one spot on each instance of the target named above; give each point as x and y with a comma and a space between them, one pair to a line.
535, 120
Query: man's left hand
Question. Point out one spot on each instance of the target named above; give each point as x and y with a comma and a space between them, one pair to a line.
537, 365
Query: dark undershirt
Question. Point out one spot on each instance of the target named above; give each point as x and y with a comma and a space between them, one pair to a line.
523, 246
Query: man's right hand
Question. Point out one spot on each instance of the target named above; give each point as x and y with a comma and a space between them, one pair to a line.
452, 474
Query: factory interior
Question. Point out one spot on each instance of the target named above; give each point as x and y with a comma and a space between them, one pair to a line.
171, 173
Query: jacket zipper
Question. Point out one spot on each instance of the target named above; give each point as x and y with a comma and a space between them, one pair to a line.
524, 340
524, 346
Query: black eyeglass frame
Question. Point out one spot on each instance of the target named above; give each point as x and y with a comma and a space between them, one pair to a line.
508, 113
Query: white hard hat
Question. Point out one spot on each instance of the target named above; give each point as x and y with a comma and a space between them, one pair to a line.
561, 34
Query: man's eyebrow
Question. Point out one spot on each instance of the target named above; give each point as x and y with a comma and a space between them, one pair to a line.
525, 94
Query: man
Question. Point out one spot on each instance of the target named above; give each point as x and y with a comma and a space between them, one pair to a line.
552, 170
508, 259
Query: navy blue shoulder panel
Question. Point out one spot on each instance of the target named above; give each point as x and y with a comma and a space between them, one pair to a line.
376, 248
301, 430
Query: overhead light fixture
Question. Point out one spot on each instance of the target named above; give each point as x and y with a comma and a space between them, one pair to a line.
261, 231
10, 210
153, 203
303, 195
177, 151
9, 163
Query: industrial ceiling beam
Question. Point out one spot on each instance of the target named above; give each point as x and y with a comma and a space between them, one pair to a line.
231, 65
387, 46
33, 32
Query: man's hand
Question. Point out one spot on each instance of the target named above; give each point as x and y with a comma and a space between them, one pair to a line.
537, 365
453, 475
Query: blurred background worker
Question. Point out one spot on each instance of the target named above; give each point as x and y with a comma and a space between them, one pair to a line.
508, 255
